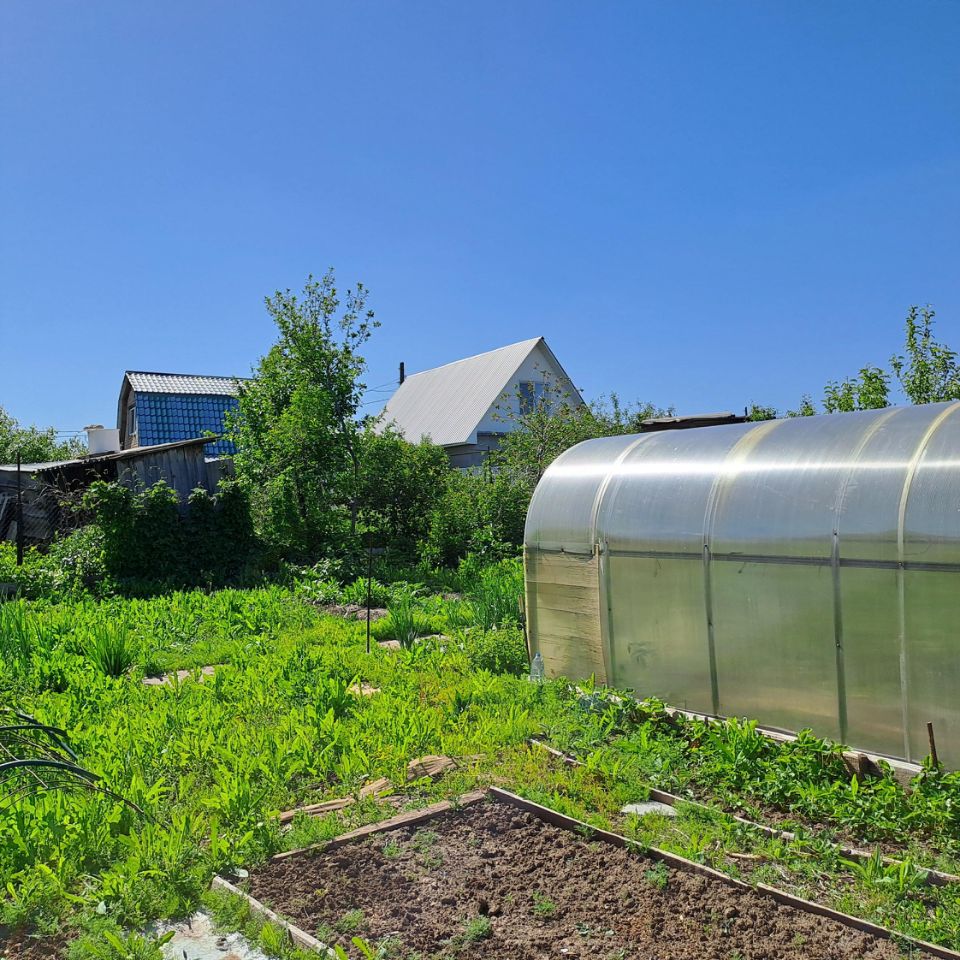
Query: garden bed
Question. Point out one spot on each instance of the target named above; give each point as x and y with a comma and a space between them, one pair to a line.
492, 879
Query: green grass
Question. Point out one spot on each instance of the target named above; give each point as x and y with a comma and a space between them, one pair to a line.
477, 928
277, 726
543, 906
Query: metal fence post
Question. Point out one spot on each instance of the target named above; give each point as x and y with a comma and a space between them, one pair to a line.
19, 514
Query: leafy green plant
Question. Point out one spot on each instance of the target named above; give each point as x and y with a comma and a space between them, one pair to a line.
543, 906
658, 875
477, 928
111, 648
501, 650
118, 945
351, 921
405, 622
495, 594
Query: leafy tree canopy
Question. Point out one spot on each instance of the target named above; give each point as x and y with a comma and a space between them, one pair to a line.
296, 428
34, 445
542, 428
926, 372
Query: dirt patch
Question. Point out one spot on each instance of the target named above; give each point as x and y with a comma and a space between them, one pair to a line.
166, 679
352, 611
25, 945
493, 881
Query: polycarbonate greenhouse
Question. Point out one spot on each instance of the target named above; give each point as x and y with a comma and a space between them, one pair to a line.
804, 572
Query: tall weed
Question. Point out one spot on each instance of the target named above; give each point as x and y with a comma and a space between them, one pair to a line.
111, 648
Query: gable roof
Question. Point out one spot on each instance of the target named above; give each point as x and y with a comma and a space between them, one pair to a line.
448, 403
142, 381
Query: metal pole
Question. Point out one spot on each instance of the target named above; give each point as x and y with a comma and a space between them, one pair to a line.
369, 577
19, 514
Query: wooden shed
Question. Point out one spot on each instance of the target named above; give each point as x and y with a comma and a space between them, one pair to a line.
182, 465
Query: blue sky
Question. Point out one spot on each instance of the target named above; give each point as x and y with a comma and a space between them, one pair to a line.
698, 203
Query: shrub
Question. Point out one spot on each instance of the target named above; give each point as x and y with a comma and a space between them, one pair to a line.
35, 578
146, 537
480, 513
499, 651
356, 592
77, 564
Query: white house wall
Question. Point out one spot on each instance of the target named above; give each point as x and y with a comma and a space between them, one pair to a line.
539, 367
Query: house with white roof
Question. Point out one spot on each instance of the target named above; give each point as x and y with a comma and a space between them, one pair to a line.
465, 406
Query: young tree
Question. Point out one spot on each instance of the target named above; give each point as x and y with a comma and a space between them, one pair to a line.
296, 430
539, 430
929, 372
32, 443
806, 408
870, 390
542, 428
758, 412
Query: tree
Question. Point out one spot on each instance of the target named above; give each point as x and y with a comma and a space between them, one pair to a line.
542, 428
400, 485
806, 408
929, 372
32, 443
870, 390
613, 418
296, 430
539, 430
758, 412
480, 513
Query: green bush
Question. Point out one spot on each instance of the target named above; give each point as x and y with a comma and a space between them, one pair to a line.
77, 563
494, 591
499, 651
480, 513
147, 537
33, 579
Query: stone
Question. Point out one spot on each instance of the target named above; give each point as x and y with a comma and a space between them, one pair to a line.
648, 807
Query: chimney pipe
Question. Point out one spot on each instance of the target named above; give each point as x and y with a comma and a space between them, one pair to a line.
403, 375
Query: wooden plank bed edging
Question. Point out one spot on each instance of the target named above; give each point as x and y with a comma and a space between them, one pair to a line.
299, 938
411, 817
690, 866
302, 939
934, 877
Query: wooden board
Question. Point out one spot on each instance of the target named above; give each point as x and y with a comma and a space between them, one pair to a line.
563, 610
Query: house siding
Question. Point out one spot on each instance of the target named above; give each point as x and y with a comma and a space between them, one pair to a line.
538, 367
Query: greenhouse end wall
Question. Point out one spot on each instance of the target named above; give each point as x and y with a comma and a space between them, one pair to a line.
803, 572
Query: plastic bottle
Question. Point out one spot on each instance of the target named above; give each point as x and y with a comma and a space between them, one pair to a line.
536, 668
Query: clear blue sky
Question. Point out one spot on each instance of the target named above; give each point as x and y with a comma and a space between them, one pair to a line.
697, 203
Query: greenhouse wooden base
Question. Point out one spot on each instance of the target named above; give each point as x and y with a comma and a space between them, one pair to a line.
513, 878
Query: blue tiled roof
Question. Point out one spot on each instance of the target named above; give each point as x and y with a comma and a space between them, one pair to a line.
167, 417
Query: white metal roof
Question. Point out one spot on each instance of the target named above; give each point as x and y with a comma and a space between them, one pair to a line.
448, 403
143, 381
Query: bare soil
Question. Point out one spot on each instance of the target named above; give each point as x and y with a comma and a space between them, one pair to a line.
353, 611
22, 944
539, 891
